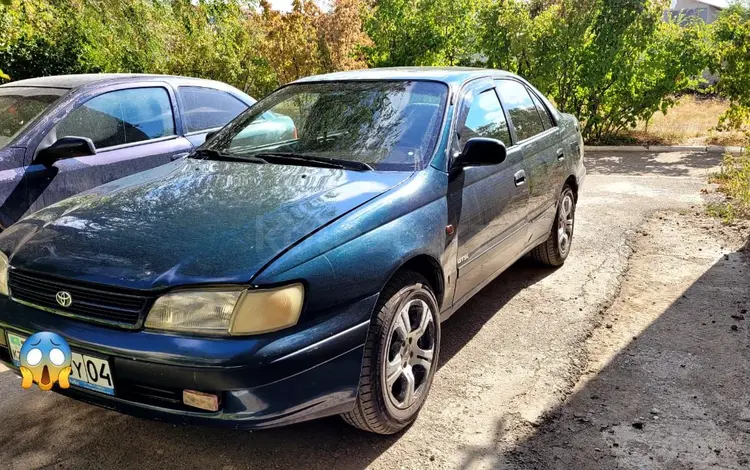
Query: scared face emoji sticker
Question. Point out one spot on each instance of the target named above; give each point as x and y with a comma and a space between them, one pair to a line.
45, 360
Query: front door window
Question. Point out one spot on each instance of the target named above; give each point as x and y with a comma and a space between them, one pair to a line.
121, 117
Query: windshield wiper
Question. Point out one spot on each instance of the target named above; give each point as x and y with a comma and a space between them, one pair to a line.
211, 154
326, 162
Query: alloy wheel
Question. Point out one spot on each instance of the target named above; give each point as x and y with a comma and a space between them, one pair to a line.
410, 354
565, 224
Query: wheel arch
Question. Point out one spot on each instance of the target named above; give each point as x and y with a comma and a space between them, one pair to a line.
427, 266
572, 181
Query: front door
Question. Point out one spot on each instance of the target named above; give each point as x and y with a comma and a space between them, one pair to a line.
132, 129
492, 217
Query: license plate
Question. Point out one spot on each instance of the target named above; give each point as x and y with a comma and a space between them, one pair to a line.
89, 372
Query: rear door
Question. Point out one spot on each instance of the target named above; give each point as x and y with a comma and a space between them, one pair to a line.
539, 140
133, 129
492, 215
206, 109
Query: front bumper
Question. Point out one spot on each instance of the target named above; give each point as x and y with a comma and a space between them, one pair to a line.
305, 372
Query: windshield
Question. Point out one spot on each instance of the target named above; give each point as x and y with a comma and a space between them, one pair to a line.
388, 125
20, 105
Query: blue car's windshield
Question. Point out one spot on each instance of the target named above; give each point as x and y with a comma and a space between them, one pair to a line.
386, 125
20, 105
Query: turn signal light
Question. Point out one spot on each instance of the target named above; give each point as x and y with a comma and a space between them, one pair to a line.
204, 401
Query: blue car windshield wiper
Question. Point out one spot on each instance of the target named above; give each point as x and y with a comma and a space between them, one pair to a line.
211, 154
312, 160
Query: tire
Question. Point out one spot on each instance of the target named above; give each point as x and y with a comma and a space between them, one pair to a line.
403, 350
555, 250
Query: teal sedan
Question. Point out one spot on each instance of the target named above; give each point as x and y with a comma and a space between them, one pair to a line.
299, 263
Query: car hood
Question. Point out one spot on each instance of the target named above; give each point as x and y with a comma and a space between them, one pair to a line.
188, 222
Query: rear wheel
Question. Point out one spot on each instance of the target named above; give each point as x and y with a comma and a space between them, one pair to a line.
556, 248
400, 356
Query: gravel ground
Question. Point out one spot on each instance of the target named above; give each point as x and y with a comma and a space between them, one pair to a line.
539, 370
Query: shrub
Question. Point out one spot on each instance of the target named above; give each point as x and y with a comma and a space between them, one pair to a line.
734, 182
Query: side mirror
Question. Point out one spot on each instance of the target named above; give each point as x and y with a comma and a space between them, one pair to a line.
66, 147
481, 151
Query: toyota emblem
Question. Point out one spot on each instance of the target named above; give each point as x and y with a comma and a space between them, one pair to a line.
63, 298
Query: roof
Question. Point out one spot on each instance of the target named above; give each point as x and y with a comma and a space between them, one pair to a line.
77, 81
715, 3
721, 4
450, 75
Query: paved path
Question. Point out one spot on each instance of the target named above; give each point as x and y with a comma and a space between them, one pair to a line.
513, 353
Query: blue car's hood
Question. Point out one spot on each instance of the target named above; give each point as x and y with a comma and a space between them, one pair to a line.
188, 222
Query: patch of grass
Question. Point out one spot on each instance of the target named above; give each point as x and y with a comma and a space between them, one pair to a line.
734, 182
692, 121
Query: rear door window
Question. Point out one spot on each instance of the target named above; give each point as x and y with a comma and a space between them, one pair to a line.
206, 108
543, 112
121, 117
520, 106
485, 118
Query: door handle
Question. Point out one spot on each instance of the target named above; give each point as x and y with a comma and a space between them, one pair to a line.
520, 178
560, 154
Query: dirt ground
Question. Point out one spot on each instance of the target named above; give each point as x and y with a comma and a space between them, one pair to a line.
634, 354
666, 384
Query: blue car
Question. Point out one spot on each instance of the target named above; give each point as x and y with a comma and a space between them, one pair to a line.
269, 280
63, 135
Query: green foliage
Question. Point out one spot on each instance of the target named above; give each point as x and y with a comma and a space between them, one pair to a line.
227, 40
609, 62
40, 39
732, 62
423, 32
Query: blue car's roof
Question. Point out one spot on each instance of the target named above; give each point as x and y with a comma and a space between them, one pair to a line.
73, 82
449, 75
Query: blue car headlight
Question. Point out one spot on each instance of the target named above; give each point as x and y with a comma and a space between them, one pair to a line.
3, 274
227, 312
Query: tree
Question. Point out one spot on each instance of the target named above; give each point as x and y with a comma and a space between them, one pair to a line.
291, 45
342, 39
40, 38
423, 32
609, 62
732, 63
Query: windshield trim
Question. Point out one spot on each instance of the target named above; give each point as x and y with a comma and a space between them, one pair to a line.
31, 124
440, 128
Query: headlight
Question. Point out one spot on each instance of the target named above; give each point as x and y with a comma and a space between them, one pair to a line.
3, 274
228, 311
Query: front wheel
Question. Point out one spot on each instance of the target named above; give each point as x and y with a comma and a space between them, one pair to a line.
556, 248
400, 358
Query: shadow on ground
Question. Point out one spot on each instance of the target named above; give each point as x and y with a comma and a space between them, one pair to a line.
50, 429
675, 397
651, 163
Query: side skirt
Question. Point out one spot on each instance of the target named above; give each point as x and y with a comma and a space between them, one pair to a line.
448, 312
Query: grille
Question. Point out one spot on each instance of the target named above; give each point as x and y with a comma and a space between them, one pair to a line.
151, 395
89, 302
